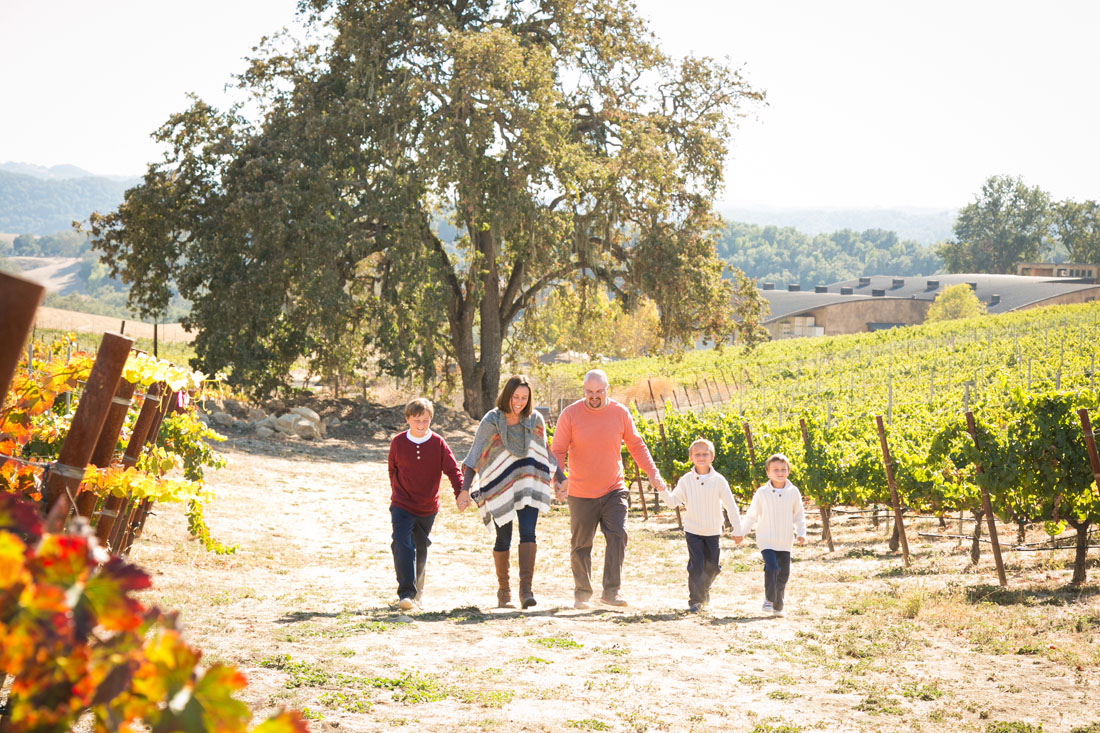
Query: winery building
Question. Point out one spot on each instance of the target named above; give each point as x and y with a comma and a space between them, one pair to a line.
881, 301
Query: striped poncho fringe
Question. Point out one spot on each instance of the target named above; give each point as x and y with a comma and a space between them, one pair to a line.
507, 482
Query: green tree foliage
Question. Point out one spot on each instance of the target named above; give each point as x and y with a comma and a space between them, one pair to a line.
67, 243
957, 301
1008, 223
1077, 225
748, 307
786, 256
557, 138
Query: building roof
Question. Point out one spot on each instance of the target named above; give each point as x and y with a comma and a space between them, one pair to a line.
1014, 291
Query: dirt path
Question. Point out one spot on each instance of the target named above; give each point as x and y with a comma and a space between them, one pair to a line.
305, 609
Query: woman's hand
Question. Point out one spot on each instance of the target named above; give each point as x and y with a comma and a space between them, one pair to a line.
462, 500
561, 490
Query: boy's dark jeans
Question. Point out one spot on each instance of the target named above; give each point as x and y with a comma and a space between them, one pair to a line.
410, 549
703, 566
777, 568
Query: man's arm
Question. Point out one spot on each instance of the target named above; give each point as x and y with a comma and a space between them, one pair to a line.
640, 452
559, 446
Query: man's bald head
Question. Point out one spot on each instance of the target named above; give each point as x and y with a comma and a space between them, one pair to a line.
595, 389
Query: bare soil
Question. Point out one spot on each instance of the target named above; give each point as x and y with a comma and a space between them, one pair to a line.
305, 608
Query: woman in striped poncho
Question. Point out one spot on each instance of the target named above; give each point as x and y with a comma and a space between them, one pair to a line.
507, 473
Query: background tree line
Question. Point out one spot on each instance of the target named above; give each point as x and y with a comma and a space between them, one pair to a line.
784, 255
1010, 222
33, 204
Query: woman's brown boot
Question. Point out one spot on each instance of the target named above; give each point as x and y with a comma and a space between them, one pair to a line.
504, 592
527, 573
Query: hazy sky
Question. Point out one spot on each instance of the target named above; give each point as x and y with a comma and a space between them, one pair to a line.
869, 103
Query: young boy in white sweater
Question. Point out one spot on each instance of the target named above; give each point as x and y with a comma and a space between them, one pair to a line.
705, 491
777, 506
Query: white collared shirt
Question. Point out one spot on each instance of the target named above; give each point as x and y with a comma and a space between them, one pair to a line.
780, 515
705, 495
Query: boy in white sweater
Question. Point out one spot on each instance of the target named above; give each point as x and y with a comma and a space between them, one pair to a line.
705, 491
777, 506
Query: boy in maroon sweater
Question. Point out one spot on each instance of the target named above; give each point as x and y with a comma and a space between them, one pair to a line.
418, 460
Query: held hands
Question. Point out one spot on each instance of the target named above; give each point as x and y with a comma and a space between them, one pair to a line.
561, 489
800, 540
462, 501
738, 539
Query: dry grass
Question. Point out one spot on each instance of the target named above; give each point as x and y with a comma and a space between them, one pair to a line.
305, 609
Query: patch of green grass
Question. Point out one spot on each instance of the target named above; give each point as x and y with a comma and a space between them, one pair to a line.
556, 642
616, 669
776, 725
299, 674
465, 614
353, 702
878, 702
1086, 623
928, 691
1015, 726
587, 724
783, 695
311, 714
484, 698
859, 552
1090, 728
411, 687
531, 660
751, 680
614, 650
844, 686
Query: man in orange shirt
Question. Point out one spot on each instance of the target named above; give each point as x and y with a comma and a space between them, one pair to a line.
591, 433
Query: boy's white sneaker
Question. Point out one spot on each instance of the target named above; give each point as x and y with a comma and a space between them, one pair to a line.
779, 614
768, 607
405, 604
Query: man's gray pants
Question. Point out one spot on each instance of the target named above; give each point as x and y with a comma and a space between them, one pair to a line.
609, 513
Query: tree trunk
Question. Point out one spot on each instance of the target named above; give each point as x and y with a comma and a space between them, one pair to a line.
976, 544
826, 528
895, 539
1082, 549
874, 516
1021, 533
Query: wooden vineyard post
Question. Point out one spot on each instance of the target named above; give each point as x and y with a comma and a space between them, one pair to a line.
104, 449
19, 301
129, 510
826, 528
132, 529
87, 424
752, 451
664, 444
987, 508
1090, 443
641, 493
1082, 527
888, 464
108, 515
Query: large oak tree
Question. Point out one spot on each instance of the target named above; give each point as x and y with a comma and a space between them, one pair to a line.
554, 136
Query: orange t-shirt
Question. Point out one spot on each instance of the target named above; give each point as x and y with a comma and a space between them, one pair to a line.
592, 440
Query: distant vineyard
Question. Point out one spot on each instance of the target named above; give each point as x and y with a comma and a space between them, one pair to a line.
1027, 378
